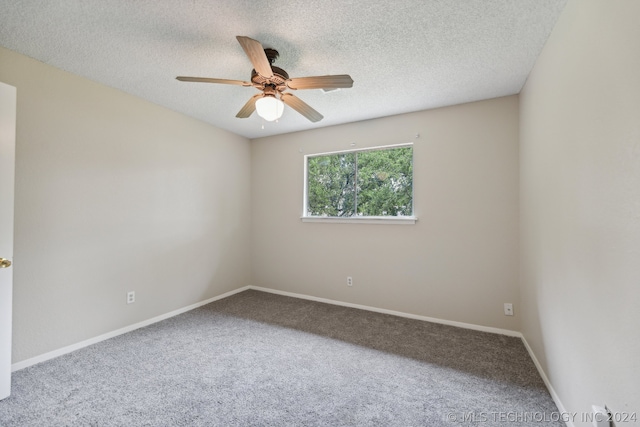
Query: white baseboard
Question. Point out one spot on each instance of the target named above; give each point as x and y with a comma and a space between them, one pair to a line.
552, 392
394, 313
68, 349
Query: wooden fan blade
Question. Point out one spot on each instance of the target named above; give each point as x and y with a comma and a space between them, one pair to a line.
249, 107
321, 82
208, 80
258, 58
301, 107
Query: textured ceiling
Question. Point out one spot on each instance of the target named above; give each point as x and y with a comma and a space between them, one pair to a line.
403, 56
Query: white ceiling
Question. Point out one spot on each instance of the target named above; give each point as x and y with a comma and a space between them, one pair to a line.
403, 56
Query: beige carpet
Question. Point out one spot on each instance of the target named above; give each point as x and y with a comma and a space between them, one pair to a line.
258, 359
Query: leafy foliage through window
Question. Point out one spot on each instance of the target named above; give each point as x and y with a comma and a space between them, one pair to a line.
371, 183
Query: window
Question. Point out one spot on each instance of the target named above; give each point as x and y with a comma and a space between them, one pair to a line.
361, 184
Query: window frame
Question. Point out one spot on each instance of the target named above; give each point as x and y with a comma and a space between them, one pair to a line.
406, 220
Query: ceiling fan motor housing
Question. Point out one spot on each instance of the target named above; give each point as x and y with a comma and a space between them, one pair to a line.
279, 77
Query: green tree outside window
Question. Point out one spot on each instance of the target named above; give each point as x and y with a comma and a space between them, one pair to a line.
363, 183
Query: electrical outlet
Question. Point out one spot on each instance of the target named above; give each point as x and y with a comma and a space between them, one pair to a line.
508, 309
131, 297
601, 416
349, 281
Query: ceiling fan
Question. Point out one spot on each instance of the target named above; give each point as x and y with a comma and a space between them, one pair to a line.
273, 82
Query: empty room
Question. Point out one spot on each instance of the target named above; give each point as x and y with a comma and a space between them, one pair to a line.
359, 213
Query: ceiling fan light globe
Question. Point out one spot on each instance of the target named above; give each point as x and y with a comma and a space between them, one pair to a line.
269, 108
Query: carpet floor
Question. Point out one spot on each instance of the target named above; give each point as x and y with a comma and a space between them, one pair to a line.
259, 359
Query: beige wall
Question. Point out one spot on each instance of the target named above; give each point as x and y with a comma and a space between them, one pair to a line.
458, 262
580, 199
116, 194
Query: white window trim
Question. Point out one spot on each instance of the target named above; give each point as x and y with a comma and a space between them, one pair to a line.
403, 220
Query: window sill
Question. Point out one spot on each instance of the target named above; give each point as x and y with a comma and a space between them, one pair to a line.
403, 220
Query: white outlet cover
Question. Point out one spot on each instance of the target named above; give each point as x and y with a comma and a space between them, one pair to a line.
601, 416
508, 309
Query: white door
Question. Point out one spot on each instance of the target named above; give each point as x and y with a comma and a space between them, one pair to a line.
7, 167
